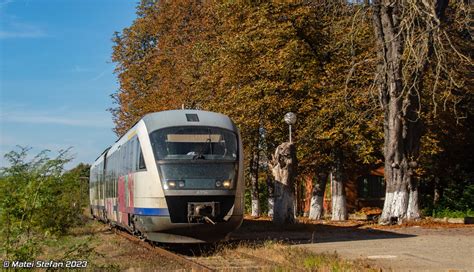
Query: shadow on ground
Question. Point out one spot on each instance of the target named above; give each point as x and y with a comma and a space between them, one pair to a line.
309, 232
256, 233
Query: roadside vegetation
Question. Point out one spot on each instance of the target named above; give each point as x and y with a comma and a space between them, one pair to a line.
446, 212
39, 201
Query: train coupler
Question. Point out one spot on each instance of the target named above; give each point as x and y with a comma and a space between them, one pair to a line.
203, 212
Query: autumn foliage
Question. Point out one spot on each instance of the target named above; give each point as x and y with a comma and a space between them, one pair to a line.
257, 60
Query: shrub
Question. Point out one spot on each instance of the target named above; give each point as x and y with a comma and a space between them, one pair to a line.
37, 199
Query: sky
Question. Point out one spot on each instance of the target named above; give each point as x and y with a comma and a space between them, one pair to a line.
56, 75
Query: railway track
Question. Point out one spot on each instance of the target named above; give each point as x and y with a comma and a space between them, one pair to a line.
195, 266
238, 261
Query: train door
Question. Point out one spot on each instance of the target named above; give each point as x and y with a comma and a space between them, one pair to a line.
100, 200
125, 183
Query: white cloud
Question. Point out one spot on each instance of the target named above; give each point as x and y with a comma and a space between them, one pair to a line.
21, 30
60, 116
80, 69
22, 34
13, 27
99, 76
88, 133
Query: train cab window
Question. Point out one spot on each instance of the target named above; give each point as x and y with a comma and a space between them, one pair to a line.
192, 142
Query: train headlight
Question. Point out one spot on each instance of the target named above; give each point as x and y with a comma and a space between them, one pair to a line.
174, 184
171, 184
227, 183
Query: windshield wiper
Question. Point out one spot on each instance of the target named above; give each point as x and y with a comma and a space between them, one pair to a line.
200, 155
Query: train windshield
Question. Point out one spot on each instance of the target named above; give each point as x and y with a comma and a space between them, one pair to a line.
194, 143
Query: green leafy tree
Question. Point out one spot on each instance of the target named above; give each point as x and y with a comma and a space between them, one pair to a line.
38, 199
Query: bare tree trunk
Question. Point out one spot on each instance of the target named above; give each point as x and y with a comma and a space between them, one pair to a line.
254, 163
308, 193
437, 191
402, 126
283, 167
338, 194
270, 187
316, 209
413, 210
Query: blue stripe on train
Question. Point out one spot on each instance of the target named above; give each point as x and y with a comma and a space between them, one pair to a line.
151, 211
139, 211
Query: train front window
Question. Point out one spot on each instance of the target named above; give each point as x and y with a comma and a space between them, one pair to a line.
194, 143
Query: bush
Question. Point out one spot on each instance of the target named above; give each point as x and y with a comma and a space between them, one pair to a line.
446, 212
37, 199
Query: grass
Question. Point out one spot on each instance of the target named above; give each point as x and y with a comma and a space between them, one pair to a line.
452, 214
79, 244
106, 251
290, 258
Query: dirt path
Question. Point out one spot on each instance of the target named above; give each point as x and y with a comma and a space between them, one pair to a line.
425, 245
402, 249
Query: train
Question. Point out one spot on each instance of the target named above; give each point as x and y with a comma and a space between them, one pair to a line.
175, 177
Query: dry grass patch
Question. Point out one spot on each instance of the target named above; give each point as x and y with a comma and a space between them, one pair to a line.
104, 250
277, 256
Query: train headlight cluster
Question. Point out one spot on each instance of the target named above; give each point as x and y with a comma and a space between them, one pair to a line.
181, 184
226, 184
175, 184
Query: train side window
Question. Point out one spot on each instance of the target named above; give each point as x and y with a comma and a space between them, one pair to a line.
133, 154
141, 160
125, 165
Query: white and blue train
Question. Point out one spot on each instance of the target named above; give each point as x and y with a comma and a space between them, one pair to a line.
174, 177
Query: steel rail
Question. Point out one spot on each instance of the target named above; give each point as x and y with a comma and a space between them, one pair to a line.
195, 266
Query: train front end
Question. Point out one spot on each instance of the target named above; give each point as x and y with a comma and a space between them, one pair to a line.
199, 160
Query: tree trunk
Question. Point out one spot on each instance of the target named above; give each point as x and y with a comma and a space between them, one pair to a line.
308, 193
413, 210
270, 187
283, 167
254, 163
402, 126
316, 209
338, 194
437, 192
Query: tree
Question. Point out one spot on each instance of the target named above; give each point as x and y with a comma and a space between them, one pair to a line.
410, 36
284, 165
38, 199
317, 198
256, 61
341, 116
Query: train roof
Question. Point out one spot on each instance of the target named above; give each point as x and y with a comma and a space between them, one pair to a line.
173, 118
